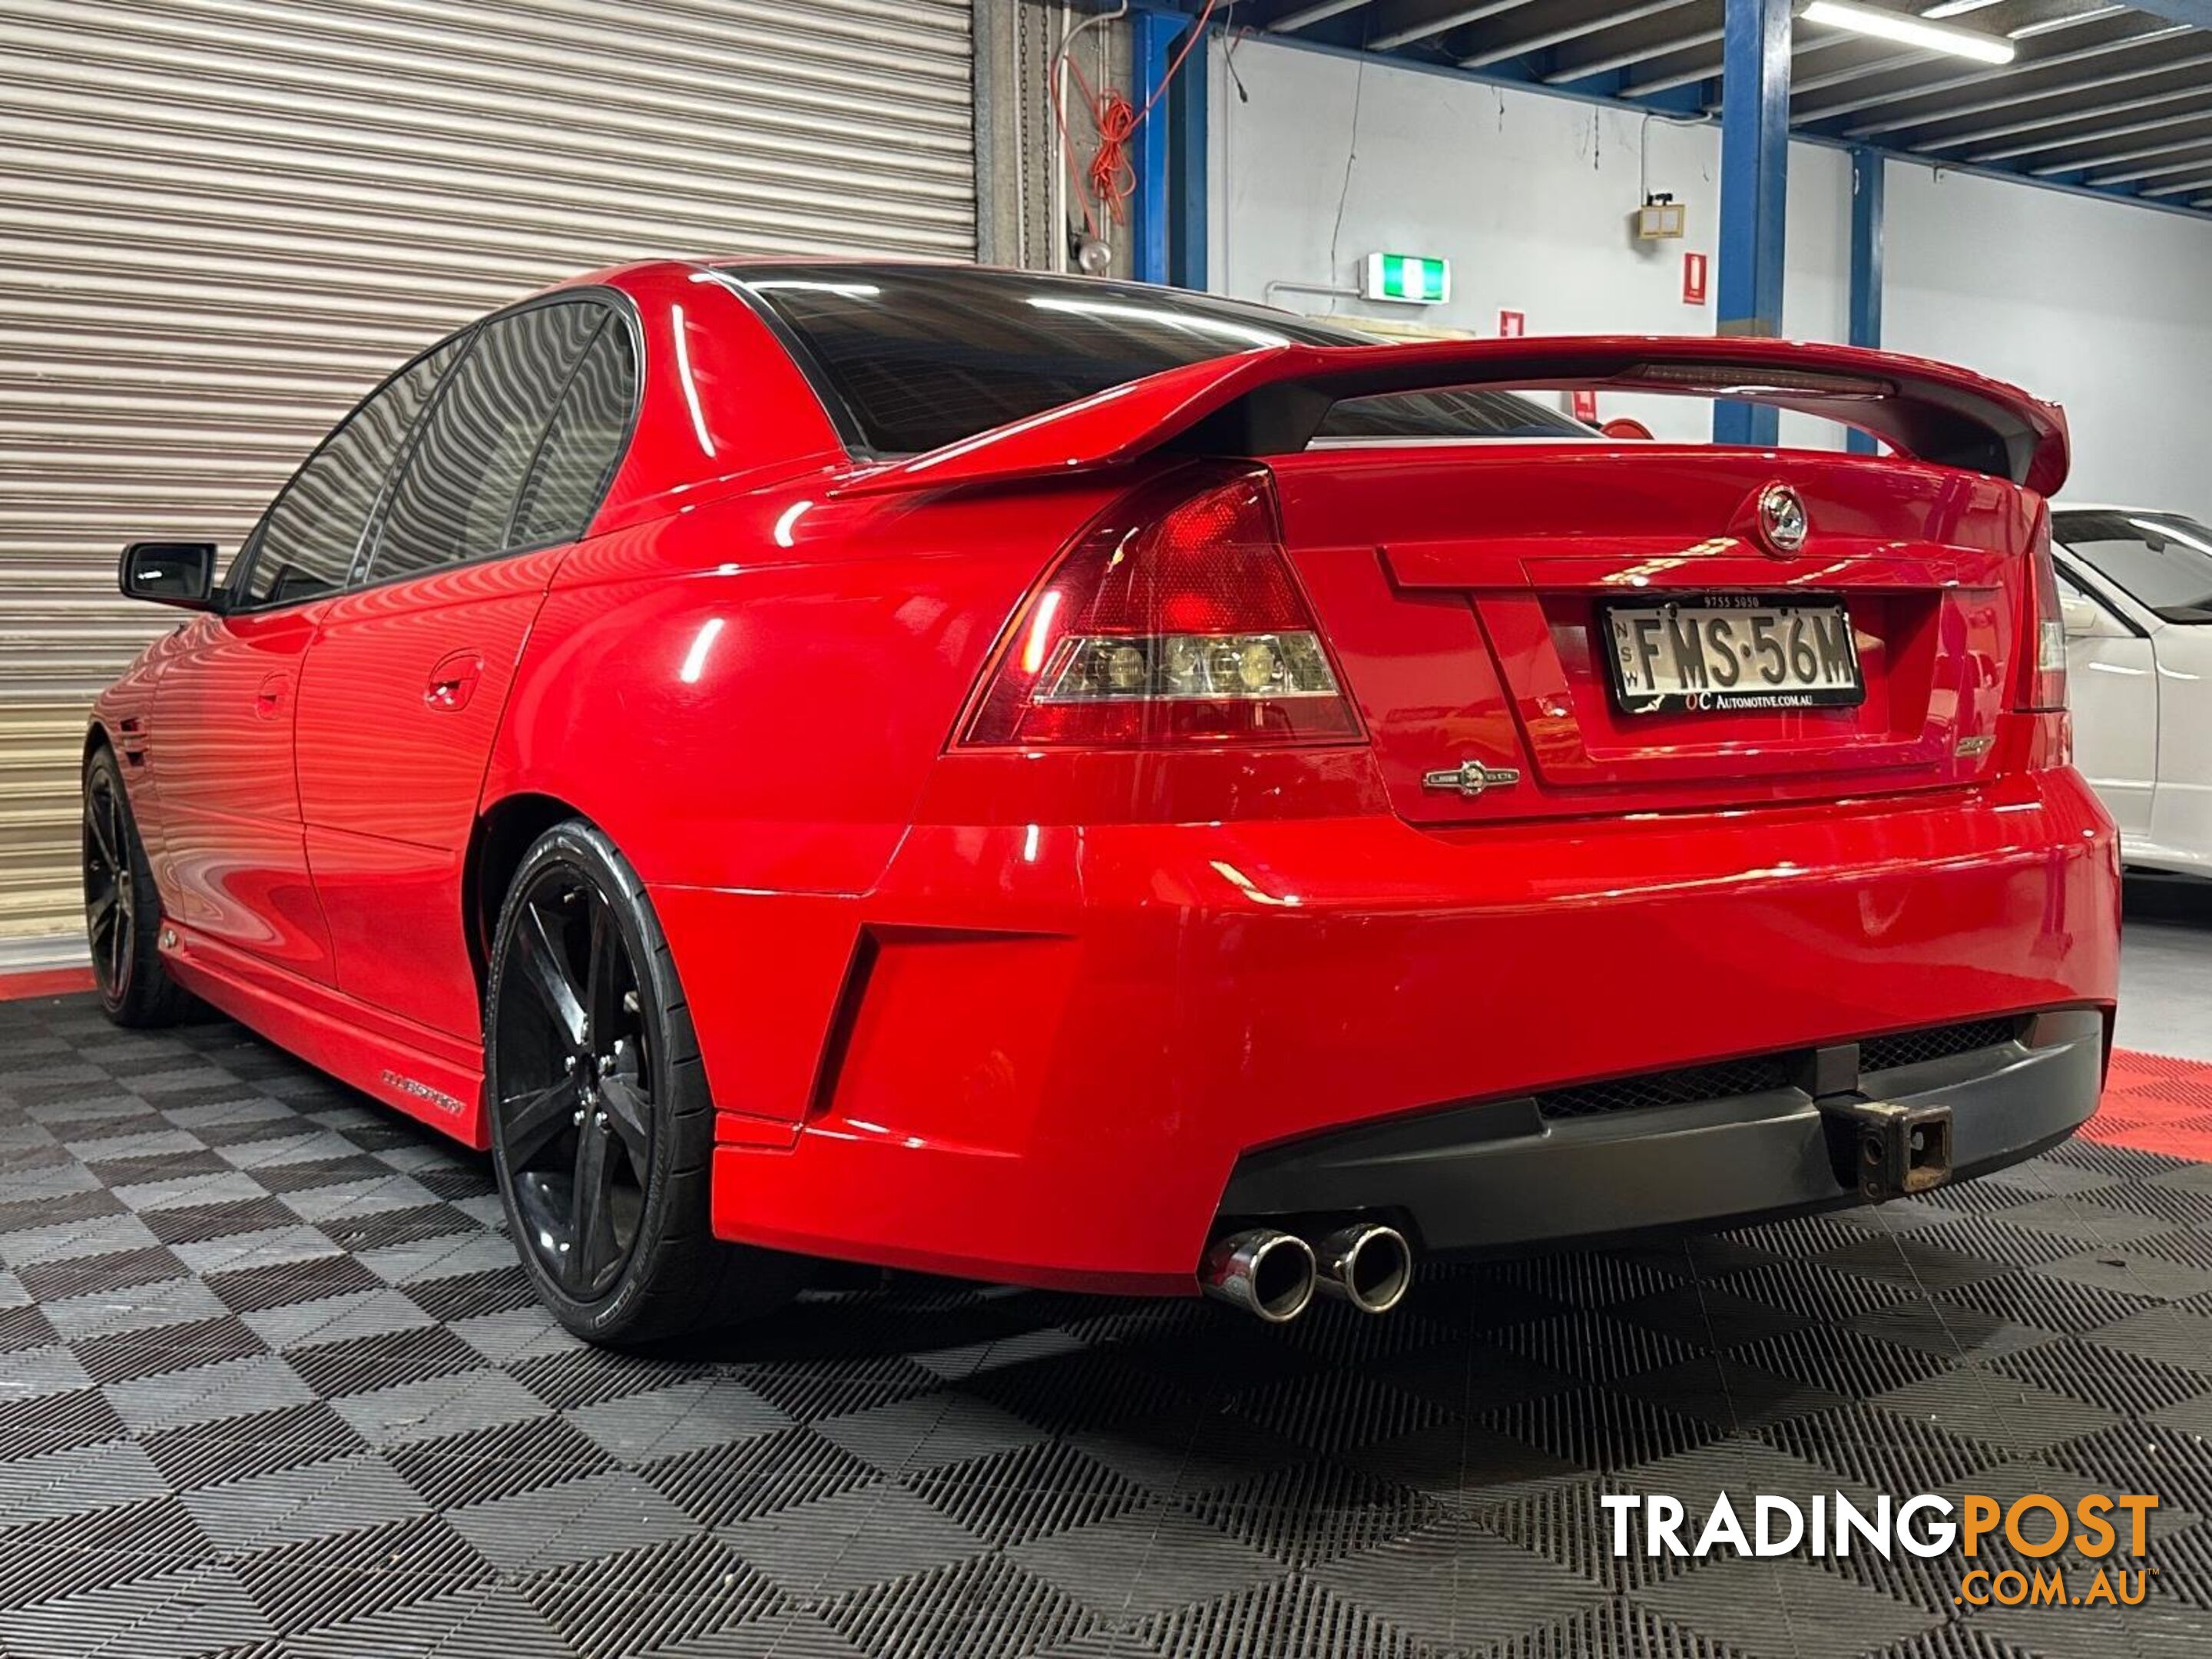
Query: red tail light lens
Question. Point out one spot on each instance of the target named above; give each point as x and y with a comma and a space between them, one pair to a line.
1173, 621
2043, 672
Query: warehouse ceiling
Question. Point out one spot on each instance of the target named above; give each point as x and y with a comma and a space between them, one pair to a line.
2116, 98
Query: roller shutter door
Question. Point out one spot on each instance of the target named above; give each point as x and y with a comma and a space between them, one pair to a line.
227, 219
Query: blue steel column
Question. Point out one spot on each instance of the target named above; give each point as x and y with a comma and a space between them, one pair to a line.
1868, 175
1151, 38
1754, 190
1186, 109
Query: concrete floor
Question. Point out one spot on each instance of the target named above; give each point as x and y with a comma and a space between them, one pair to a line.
2166, 968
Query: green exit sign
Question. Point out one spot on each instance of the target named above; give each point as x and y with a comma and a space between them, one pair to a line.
1417, 279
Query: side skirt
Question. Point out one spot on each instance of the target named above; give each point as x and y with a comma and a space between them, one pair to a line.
425, 1074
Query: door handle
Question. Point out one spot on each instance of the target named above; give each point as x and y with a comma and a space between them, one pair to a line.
269, 697
453, 681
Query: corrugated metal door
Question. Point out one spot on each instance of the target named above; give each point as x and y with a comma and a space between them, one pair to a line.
226, 219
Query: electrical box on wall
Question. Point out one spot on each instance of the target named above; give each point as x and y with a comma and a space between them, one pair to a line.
1660, 217
1417, 279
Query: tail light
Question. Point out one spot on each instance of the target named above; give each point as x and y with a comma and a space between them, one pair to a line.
1173, 620
2043, 676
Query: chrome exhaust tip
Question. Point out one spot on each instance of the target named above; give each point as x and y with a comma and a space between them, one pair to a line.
1262, 1272
1366, 1264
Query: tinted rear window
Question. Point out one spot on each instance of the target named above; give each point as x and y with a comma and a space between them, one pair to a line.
914, 357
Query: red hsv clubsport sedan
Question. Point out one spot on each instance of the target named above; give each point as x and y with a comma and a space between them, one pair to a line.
1099, 787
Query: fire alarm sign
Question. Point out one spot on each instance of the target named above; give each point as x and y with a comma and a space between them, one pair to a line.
1693, 279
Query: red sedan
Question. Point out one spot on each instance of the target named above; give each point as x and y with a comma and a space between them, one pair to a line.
1101, 786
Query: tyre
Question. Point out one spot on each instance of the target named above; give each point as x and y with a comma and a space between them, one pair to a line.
122, 908
602, 1129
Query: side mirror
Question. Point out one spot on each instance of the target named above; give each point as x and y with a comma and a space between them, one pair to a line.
1626, 426
170, 572
2081, 617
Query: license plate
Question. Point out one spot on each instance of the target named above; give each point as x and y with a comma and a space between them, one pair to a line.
1709, 652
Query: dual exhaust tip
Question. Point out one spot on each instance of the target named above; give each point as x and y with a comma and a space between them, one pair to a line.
1275, 1275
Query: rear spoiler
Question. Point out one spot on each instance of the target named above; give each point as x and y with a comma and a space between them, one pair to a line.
1273, 400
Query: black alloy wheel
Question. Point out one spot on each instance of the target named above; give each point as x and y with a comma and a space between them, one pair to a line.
122, 907
576, 1106
111, 892
602, 1127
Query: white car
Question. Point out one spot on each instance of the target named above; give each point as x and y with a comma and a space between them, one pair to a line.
2136, 589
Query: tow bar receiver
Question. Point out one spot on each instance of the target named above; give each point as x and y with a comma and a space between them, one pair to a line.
1894, 1150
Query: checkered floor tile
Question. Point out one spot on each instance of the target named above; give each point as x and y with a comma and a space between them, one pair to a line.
271, 1384
2157, 1104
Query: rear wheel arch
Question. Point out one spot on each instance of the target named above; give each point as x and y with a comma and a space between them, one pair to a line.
597, 1088
504, 831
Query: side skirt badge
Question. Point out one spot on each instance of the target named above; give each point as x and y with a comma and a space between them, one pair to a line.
422, 1091
1471, 778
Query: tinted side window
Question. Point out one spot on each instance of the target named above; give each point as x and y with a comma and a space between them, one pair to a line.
2161, 560
306, 542
582, 444
459, 489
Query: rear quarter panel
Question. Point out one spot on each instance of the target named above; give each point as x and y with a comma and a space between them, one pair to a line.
737, 712
749, 699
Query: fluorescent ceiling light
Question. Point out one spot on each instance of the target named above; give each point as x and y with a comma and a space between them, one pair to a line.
1908, 31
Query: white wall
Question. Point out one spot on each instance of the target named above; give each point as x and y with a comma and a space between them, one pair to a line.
2101, 306
1529, 196
2104, 308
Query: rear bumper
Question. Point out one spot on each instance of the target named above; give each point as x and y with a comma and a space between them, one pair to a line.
1049, 1055
1498, 1175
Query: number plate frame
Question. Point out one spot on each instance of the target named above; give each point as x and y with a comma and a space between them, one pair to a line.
1718, 700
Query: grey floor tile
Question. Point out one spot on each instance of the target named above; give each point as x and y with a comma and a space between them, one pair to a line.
135, 1308
75, 1479
70, 1240
336, 1319
928, 1431
274, 1246
232, 1186
357, 1198
488, 1620
868, 1535
288, 1144
515, 1334
1148, 1561
576, 1521
312, 1501
686, 1416
442, 1405
172, 1615
207, 1394
30, 1372
447, 1256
